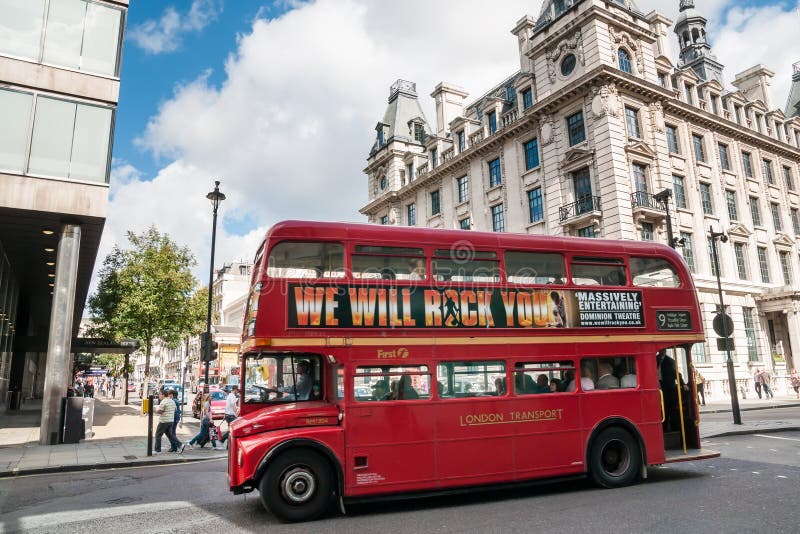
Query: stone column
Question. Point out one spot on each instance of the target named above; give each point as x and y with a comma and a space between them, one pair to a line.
60, 338
793, 325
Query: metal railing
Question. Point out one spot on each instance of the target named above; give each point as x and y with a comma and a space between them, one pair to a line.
643, 199
583, 205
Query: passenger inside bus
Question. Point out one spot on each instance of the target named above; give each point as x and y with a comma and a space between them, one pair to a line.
500, 385
404, 389
380, 390
607, 380
587, 380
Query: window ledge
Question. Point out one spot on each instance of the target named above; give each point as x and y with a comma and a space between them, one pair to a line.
531, 226
495, 188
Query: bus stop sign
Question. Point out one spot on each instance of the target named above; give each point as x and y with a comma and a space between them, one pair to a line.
723, 325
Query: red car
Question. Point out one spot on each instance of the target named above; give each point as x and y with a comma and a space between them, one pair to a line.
217, 404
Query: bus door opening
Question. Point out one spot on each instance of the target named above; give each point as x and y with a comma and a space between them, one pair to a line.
680, 411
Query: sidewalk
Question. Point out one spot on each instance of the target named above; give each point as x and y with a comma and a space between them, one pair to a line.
752, 420
120, 440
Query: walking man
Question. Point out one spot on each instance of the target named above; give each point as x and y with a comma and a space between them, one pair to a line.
166, 418
757, 382
231, 410
700, 383
765, 380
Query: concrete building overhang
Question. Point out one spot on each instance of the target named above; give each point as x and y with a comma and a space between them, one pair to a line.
27, 248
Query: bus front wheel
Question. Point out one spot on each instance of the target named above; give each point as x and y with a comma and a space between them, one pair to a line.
615, 459
298, 486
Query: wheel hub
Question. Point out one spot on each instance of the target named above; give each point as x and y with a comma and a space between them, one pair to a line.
298, 485
615, 458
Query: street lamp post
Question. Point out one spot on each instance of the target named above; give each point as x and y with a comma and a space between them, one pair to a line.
216, 199
664, 197
726, 332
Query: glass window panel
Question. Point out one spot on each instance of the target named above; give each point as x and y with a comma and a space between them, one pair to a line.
21, 27
603, 275
64, 36
15, 110
653, 272
388, 267
535, 268
91, 143
51, 146
548, 377
410, 382
306, 260
466, 270
471, 379
101, 40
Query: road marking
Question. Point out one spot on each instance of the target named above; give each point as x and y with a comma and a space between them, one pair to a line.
776, 437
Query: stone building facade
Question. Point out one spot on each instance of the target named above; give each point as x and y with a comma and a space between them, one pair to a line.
596, 122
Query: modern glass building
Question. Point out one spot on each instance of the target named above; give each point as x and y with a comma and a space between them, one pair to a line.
59, 87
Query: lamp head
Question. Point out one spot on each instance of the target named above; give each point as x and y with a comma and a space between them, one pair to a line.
215, 196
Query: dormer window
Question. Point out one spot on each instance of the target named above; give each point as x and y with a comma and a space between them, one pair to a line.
624, 60
419, 132
492, 117
527, 98
559, 6
380, 136
461, 138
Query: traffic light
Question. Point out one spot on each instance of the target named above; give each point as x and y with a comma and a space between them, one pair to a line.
211, 352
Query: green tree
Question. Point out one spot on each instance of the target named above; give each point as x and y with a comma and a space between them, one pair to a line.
146, 292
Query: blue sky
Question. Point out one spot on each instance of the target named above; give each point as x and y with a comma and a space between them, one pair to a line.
150, 78
279, 100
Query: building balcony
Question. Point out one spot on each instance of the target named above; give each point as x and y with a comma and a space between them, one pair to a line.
646, 206
448, 154
585, 208
509, 117
476, 137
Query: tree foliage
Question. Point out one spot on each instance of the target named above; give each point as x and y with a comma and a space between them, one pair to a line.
146, 292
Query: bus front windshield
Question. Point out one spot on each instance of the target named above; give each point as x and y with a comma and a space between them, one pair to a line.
287, 377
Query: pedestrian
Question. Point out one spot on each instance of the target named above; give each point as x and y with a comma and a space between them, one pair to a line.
669, 389
176, 418
796, 382
700, 384
166, 418
765, 384
757, 382
206, 421
231, 410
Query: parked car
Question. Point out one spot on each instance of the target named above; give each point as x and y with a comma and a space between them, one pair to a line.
131, 386
217, 404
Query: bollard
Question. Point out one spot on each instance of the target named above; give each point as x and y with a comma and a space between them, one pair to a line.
150, 400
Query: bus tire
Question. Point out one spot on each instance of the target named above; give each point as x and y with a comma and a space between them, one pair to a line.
298, 486
615, 458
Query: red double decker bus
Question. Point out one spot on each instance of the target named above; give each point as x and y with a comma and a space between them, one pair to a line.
379, 360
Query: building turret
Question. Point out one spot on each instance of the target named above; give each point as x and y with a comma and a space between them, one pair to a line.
793, 104
695, 49
403, 120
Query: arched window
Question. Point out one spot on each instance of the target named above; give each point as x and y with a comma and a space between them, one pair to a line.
695, 35
686, 40
624, 60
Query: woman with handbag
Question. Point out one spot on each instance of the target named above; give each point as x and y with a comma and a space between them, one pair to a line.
206, 423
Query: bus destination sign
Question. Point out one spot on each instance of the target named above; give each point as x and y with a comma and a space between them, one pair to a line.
474, 307
673, 320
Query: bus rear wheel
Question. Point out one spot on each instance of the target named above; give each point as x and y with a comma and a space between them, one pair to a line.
615, 458
298, 486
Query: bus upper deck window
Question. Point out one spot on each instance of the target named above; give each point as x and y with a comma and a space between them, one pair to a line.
653, 272
535, 268
292, 259
457, 265
388, 263
598, 272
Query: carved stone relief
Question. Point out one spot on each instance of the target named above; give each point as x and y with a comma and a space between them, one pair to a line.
622, 38
573, 44
605, 101
548, 130
657, 116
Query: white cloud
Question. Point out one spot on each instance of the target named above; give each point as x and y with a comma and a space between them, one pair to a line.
164, 34
289, 130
